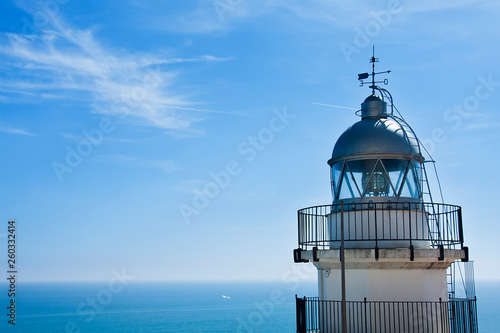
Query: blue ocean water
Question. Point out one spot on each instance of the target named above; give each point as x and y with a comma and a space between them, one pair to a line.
154, 307
178, 307
488, 306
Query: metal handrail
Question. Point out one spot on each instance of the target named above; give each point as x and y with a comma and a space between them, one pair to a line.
454, 315
435, 224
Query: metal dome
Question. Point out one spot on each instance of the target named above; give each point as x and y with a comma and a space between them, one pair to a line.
373, 106
375, 136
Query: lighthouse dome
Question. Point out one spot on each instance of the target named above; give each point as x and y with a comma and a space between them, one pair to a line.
375, 136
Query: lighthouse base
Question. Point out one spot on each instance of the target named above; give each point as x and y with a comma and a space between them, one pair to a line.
399, 291
384, 284
397, 300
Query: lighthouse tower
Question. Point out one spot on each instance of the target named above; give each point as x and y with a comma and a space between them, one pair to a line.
385, 251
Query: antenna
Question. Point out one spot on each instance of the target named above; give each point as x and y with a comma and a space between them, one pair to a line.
363, 76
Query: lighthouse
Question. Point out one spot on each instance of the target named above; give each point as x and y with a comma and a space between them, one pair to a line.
387, 251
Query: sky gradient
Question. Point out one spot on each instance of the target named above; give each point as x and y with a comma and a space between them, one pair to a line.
176, 140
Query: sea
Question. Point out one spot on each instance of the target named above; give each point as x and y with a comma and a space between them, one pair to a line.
177, 307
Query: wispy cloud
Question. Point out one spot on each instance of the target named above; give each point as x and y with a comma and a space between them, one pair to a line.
64, 62
167, 166
208, 17
482, 126
347, 14
335, 106
12, 130
42, 95
428, 6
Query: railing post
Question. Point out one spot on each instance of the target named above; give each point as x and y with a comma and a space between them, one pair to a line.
464, 315
476, 328
460, 229
316, 227
301, 314
298, 226
441, 313
452, 315
376, 233
409, 223
342, 267
366, 317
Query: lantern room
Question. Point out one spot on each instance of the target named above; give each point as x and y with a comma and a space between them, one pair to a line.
375, 158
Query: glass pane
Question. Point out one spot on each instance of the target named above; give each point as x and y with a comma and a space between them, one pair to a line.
347, 188
417, 178
417, 168
396, 170
376, 183
410, 188
336, 170
361, 169
353, 181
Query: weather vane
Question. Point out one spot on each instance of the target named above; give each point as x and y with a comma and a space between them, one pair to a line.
363, 76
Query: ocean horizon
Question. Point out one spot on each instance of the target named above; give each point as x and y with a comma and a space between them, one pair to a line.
178, 306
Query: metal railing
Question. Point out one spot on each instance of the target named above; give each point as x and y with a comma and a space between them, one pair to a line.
453, 316
381, 224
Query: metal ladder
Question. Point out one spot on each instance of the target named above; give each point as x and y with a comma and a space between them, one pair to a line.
450, 280
424, 189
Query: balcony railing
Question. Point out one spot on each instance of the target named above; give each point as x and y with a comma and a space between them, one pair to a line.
454, 316
381, 224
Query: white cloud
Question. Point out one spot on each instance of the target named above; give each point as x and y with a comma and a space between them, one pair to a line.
12, 130
208, 17
71, 62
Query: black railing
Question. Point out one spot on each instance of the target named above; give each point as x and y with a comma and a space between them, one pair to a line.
454, 316
381, 224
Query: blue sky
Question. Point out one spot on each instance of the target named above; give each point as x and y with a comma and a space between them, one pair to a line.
116, 115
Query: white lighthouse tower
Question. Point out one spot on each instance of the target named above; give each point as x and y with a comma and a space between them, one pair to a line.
385, 251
